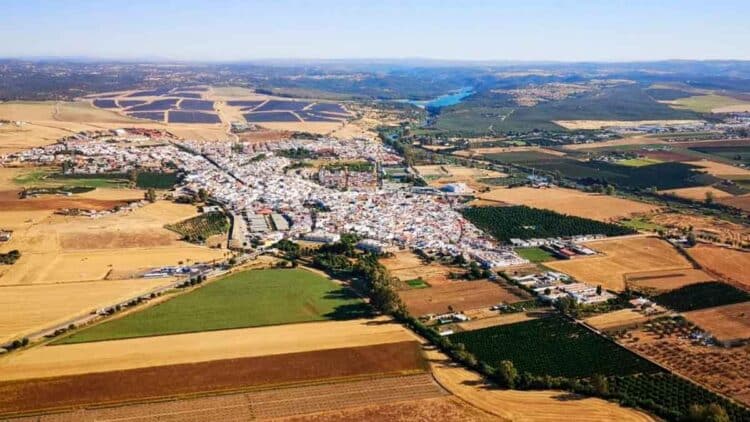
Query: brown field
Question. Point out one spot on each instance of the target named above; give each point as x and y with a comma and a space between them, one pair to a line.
742, 202
657, 281
737, 108
728, 323
9, 201
723, 370
26, 309
498, 150
727, 264
569, 201
667, 155
444, 174
704, 226
617, 319
220, 375
461, 295
632, 140
623, 257
389, 397
71, 249
715, 168
104, 356
599, 124
406, 265
697, 193
524, 405
479, 319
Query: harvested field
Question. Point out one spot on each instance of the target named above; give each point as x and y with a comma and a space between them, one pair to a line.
729, 265
697, 193
667, 155
444, 174
551, 406
720, 369
567, 201
501, 319
728, 323
742, 202
659, 281
715, 168
633, 140
618, 319
623, 258
704, 226
461, 295
104, 356
383, 398
27, 309
232, 374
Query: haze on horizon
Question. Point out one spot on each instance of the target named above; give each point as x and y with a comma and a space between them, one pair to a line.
544, 30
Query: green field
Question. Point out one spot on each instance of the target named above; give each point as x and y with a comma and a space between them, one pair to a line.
42, 178
701, 296
535, 254
246, 299
641, 223
417, 283
552, 346
638, 162
706, 103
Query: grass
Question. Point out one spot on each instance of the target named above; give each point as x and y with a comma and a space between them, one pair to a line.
706, 103
246, 299
535, 254
552, 346
417, 283
43, 178
701, 296
638, 162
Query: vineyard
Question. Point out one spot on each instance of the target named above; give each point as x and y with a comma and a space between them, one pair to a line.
199, 228
701, 296
552, 346
522, 222
670, 396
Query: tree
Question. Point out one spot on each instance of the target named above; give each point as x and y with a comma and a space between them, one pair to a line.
600, 384
506, 374
707, 413
150, 195
610, 190
202, 194
709, 198
599, 290
691, 241
133, 176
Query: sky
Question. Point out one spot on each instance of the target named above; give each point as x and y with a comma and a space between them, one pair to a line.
222, 30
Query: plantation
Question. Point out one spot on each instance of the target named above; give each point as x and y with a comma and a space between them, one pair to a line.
552, 346
156, 180
245, 299
505, 223
199, 228
701, 296
670, 396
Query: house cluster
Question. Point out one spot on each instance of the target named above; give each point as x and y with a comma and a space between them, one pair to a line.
252, 180
550, 286
563, 248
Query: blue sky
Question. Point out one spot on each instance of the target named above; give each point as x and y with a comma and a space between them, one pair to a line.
606, 30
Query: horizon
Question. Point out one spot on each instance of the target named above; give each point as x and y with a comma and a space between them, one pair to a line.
556, 31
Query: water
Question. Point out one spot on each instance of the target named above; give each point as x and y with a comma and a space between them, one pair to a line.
444, 100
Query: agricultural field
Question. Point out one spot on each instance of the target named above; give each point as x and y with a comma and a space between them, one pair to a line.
199, 228
701, 296
638, 162
622, 259
617, 319
552, 346
659, 281
246, 299
145, 352
439, 175
546, 405
698, 193
704, 227
728, 323
505, 223
711, 103
459, 295
402, 361
568, 201
406, 265
718, 368
726, 264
